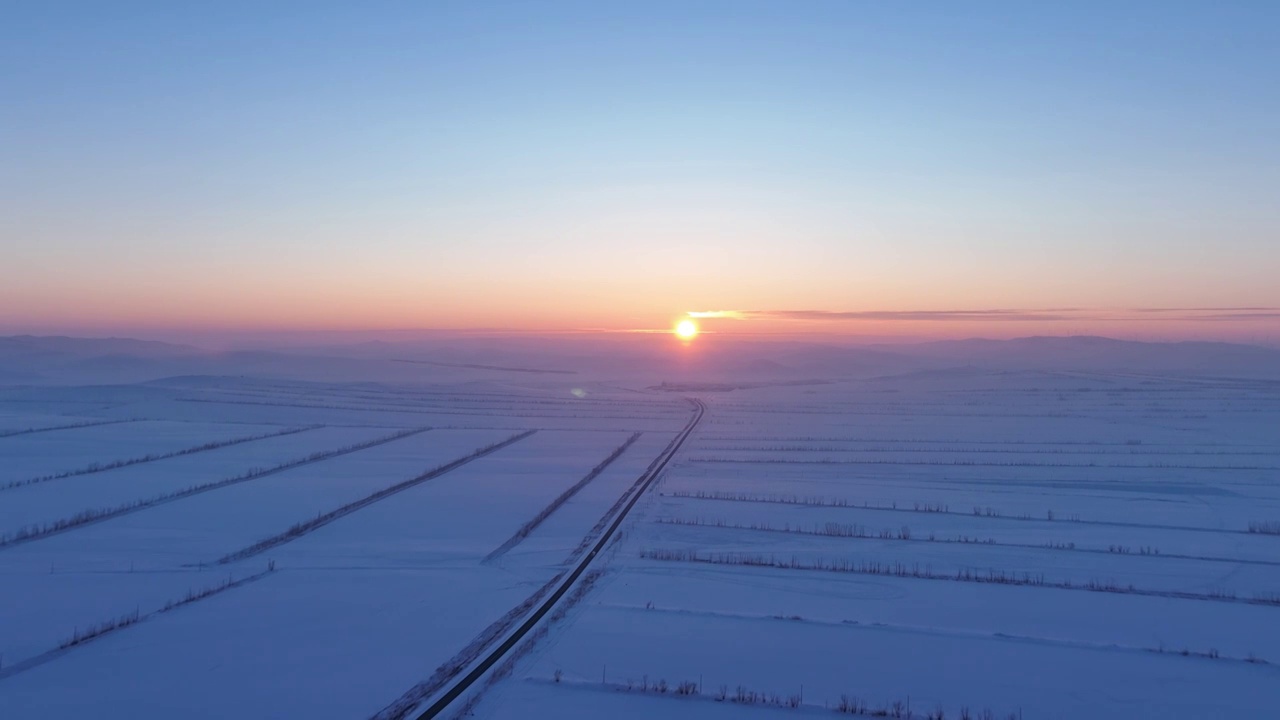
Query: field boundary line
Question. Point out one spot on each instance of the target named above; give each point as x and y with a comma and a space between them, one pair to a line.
528, 528
307, 526
715, 496
118, 464
128, 620
965, 575
90, 517
75, 426
858, 532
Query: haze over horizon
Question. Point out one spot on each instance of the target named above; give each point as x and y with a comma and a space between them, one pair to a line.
862, 171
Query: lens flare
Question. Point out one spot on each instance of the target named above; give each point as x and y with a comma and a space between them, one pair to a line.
686, 329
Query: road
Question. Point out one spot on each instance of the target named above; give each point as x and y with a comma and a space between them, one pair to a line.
651, 474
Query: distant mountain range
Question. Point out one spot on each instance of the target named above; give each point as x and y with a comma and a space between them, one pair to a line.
63, 360
1084, 352
54, 348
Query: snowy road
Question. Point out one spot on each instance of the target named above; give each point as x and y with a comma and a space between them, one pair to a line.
479, 670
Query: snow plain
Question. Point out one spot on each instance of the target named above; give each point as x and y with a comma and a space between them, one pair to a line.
1034, 544
352, 613
1114, 512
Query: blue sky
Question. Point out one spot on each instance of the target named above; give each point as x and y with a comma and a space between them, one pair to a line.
608, 164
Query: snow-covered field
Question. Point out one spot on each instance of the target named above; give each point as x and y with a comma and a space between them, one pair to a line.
1034, 544
354, 611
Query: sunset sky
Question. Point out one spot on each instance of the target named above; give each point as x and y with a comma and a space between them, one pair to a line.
857, 168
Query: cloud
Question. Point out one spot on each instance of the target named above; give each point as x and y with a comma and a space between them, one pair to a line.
1003, 315
933, 315
1209, 310
1241, 316
1213, 314
700, 314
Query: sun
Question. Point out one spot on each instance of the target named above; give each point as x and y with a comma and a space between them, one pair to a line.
686, 330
